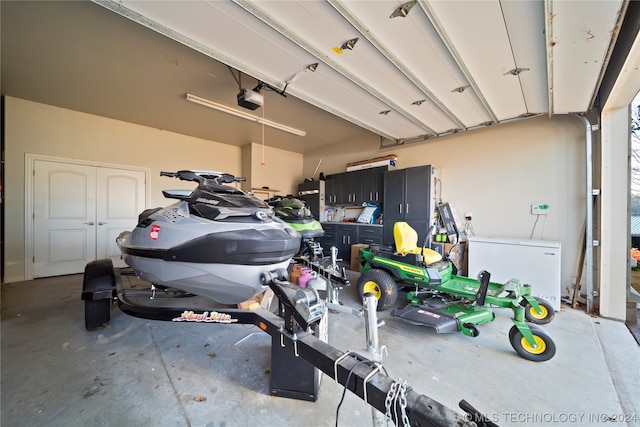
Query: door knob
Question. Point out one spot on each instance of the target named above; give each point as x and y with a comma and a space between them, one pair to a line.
101, 223
89, 223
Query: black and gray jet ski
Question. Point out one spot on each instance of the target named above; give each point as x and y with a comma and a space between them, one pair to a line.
214, 242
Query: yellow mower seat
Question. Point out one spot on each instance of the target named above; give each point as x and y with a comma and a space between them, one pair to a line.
406, 240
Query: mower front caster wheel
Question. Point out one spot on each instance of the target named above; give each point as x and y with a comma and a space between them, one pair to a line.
381, 285
543, 317
543, 350
470, 330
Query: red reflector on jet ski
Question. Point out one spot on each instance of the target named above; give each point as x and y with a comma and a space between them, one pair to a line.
155, 232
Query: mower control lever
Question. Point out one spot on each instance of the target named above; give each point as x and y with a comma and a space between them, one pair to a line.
483, 278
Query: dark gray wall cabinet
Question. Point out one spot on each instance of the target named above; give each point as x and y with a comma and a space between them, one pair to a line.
355, 187
410, 196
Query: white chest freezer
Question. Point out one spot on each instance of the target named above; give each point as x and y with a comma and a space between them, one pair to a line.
534, 262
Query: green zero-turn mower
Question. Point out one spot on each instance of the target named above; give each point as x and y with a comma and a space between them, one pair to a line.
447, 302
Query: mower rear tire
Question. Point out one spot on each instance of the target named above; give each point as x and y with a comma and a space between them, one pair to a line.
545, 348
381, 285
545, 316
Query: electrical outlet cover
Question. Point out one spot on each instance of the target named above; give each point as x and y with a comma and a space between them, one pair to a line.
540, 209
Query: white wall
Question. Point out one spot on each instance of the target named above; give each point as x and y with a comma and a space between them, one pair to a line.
46, 130
271, 167
497, 173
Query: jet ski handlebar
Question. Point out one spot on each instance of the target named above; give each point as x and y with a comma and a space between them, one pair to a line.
202, 177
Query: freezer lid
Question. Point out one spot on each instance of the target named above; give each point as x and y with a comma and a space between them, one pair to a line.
518, 242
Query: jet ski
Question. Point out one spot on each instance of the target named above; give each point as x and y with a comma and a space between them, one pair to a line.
297, 215
215, 241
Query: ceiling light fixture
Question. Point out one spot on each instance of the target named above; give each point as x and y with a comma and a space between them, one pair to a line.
210, 104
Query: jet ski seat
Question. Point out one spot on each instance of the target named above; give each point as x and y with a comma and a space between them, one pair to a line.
406, 240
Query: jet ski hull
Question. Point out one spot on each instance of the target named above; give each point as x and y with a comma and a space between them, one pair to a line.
218, 259
308, 228
224, 283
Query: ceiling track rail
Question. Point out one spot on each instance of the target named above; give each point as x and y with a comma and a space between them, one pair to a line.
277, 26
437, 25
366, 33
422, 138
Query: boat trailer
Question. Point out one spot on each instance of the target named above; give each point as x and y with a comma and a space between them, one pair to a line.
297, 352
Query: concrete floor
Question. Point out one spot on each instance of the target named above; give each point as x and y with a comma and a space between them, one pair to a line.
141, 372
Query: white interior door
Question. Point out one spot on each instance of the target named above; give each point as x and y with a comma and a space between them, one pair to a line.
64, 218
79, 210
120, 198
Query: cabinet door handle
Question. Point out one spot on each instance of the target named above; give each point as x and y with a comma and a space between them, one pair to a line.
101, 223
377, 196
89, 223
354, 197
400, 207
407, 208
370, 196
